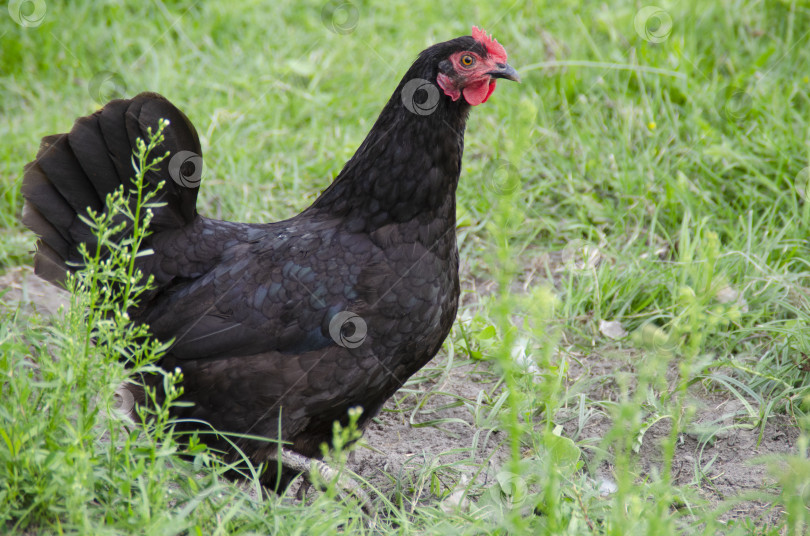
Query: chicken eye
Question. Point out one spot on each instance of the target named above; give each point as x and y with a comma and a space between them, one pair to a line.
467, 60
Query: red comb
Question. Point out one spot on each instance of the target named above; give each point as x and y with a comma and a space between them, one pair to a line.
494, 48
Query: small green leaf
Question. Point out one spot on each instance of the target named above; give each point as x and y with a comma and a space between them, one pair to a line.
563, 453
486, 333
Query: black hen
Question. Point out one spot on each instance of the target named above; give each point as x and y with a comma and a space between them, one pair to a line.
284, 326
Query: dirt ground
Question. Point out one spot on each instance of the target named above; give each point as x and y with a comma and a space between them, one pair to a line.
721, 468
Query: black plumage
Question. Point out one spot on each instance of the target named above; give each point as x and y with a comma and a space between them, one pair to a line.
252, 307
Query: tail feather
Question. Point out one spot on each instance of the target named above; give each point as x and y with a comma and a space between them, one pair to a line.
181, 136
114, 133
86, 140
49, 265
77, 170
41, 194
50, 234
64, 172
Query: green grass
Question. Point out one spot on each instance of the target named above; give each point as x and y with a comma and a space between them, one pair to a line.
657, 184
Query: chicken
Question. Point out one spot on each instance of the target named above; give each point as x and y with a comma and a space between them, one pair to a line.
280, 328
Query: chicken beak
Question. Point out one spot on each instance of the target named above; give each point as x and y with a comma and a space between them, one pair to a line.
505, 70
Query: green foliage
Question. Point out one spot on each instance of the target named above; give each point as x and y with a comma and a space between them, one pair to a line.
66, 458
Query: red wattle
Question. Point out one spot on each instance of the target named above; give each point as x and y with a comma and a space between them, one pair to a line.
479, 92
491, 89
